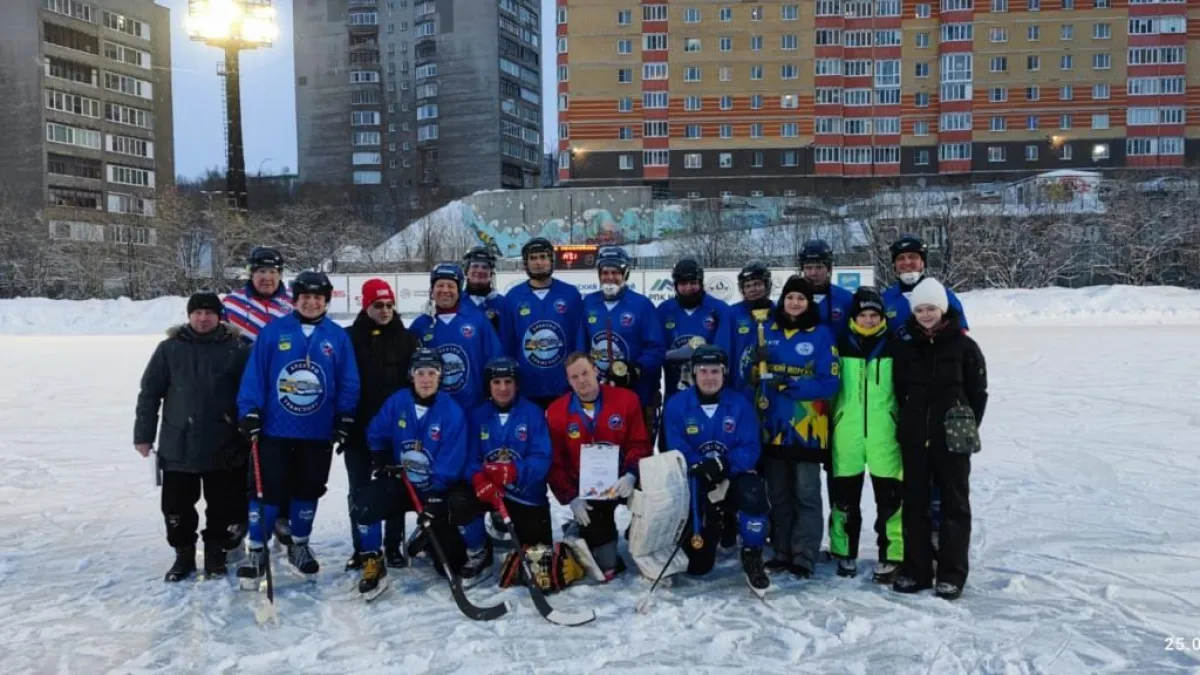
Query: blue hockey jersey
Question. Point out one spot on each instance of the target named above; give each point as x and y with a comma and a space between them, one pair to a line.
834, 309
729, 431
522, 439
300, 384
744, 336
432, 448
804, 369
466, 342
633, 330
709, 321
895, 301
539, 332
490, 305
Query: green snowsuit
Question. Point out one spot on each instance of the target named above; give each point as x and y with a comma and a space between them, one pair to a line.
864, 436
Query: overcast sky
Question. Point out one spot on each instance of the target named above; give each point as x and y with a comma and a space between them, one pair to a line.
268, 97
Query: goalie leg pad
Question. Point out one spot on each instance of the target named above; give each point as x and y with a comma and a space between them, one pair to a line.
659, 513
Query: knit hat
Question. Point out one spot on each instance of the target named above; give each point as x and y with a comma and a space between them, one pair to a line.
205, 300
929, 292
866, 298
374, 290
797, 284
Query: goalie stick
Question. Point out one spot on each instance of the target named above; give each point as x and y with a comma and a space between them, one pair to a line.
544, 608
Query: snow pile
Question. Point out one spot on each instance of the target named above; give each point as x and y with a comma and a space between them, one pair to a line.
1096, 305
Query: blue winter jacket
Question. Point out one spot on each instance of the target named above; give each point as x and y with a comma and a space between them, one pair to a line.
523, 441
731, 433
804, 369
466, 343
895, 301
300, 385
744, 343
711, 321
540, 332
834, 309
636, 333
432, 449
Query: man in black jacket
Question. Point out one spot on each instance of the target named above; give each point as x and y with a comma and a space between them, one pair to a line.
383, 347
194, 375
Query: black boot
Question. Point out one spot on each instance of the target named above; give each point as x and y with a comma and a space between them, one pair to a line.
185, 563
354, 563
214, 559
395, 558
755, 571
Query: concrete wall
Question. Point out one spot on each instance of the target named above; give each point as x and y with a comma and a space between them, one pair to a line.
22, 105
321, 47
468, 95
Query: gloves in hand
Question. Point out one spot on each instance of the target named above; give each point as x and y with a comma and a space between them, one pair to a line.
435, 508
250, 426
580, 508
486, 491
341, 431
711, 470
502, 474
624, 487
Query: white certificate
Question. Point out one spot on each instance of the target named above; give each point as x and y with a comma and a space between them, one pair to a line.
598, 468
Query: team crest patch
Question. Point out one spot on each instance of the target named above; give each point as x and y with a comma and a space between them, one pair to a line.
522, 432
523, 310
403, 421
501, 455
626, 319
545, 344
484, 434
417, 463
616, 423
327, 348
743, 329
670, 325
285, 344
837, 314
729, 425
710, 322
572, 430
804, 349
693, 429
467, 330
592, 318
560, 306
300, 387
435, 432
428, 337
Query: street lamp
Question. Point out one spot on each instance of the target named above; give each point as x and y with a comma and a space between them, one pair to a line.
233, 25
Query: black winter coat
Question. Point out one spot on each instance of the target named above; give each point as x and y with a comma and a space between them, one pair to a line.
383, 354
195, 379
932, 374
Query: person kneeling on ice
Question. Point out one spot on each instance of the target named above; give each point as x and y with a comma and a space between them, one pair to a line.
420, 433
716, 429
509, 459
194, 376
595, 419
864, 438
297, 399
941, 383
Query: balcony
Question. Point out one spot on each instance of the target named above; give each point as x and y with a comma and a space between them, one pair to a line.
360, 3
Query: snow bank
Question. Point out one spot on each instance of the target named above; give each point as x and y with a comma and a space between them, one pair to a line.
1096, 305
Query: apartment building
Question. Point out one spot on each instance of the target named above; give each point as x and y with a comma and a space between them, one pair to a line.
775, 97
418, 103
86, 137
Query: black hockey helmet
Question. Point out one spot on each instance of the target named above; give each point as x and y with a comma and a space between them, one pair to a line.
815, 251
480, 255
613, 257
501, 366
262, 256
756, 270
314, 283
687, 269
537, 245
908, 243
706, 355
451, 271
424, 358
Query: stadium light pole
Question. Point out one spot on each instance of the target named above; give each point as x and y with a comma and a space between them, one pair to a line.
232, 26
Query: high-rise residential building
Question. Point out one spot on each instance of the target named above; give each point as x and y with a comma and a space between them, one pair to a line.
418, 102
775, 97
85, 120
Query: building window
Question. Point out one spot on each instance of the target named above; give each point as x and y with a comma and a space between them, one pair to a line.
1031, 153
625, 162
654, 12
998, 124
128, 175
624, 46
654, 42
625, 104
691, 15
624, 17
123, 24
726, 14
1100, 121
655, 157
68, 135
999, 64
726, 131
692, 160
725, 160
624, 75
996, 153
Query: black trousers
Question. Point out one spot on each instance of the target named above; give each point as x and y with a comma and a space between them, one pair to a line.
386, 499
292, 469
747, 493
224, 505
602, 526
532, 523
358, 475
952, 473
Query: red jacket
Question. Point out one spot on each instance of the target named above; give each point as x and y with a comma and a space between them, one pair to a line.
618, 421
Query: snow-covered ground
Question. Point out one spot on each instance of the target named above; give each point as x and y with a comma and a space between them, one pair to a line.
1085, 553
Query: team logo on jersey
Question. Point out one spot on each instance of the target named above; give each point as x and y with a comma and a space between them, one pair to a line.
713, 449
572, 430
467, 330
455, 368
428, 337
484, 434
285, 344
692, 429
492, 314
592, 318
804, 348
301, 387
600, 346
501, 455
521, 432
670, 325
417, 464
560, 306
710, 322
616, 423
743, 328
327, 348
403, 421
524, 309
626, 319
837, 314
544, 344
729, 425
435, 432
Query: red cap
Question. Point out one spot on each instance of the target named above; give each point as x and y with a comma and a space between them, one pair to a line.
376, 289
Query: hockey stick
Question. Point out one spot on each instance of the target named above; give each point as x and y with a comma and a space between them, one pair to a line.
258, 491
460, 597
539, 599
643, 605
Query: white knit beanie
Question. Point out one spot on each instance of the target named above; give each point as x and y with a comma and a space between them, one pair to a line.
929, 292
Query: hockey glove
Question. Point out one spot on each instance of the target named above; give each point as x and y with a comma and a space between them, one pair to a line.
435, 509
486, 491
580, 508
711, 470
341, 431
502, 474
623, 488
250, 426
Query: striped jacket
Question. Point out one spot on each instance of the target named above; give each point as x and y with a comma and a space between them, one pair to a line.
250, 312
